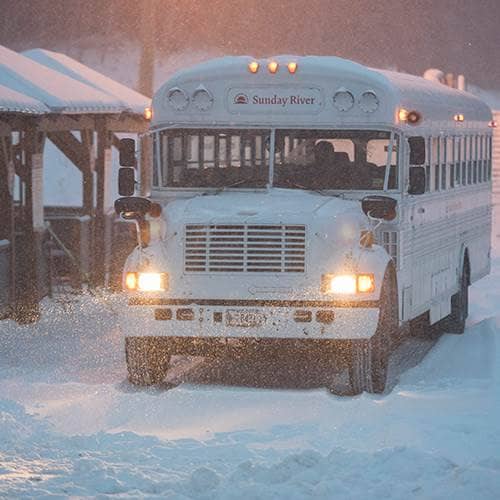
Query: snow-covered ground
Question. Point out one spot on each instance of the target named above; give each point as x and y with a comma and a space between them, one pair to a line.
70, 424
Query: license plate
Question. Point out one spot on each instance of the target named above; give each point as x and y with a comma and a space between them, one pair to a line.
244, 317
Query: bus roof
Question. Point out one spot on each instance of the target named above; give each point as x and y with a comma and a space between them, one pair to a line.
319, 91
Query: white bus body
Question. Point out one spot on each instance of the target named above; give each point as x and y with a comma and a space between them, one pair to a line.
260, 213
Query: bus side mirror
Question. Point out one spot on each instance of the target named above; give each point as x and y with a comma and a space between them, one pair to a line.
379, 207
126, 181
132, 207
417, 180
417, 150
127, 153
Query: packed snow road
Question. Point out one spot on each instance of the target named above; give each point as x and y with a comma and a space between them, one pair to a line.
70, 424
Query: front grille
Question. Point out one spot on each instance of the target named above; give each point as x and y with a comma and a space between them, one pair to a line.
231, 248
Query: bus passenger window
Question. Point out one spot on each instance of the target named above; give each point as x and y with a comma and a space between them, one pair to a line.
490, 152
463, 156
442, 162
456, 159
469, 159
435, 161
428, 165
450, 162
474, 159
480, 159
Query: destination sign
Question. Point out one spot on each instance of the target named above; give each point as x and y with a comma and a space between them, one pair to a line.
301, 100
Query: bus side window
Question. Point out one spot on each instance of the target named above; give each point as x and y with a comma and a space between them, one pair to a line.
480, 159
463, 156
474, 159
435, 162
450, 161
456, 158
442, 161
490, 152
469, 159
428, 165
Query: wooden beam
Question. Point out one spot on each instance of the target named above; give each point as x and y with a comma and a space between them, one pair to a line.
127, 123
72, 148
58, 122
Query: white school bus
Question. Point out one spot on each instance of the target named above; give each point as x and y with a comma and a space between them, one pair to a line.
304, 203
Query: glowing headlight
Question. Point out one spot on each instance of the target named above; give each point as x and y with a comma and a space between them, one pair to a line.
348, 284
146, 282
343, 284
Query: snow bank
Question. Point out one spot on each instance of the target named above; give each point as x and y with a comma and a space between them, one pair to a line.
72, 425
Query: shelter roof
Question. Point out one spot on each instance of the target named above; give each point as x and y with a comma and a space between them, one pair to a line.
59, 92
64, 64
15, 102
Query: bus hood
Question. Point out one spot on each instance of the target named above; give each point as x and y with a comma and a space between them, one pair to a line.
277, 206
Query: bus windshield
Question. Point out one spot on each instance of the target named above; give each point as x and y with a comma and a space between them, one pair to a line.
191, 158
335, 159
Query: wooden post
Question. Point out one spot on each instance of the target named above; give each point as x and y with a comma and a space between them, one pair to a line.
103, 170
30, 228
7, 229
88, 172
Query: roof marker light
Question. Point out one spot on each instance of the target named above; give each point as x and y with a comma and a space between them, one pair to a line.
148, 113
410, 117
272, 67
459, 117
253, 67
292, 67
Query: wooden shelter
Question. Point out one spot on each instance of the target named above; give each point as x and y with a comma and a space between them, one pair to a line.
80, 111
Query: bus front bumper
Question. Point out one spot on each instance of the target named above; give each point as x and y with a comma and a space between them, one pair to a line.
241, 319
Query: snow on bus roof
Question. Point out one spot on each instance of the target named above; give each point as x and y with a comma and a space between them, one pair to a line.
70, 67
15, 102
59, 92
431, 97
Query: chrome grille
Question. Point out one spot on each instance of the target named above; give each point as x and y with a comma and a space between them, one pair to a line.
244, 248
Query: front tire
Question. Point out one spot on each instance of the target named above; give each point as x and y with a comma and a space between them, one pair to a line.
147, 360
370, 358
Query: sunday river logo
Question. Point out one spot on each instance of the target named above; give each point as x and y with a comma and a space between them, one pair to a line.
298, 100
241, 99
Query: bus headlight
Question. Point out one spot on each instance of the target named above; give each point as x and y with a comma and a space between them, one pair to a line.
347, 284
146, 282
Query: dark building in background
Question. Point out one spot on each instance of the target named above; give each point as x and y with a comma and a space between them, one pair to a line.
460, 36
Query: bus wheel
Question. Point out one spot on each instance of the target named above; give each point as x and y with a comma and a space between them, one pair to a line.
370, 358
455, 322
147, 360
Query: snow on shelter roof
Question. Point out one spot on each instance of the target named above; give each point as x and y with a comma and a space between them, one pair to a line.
15, 102
78, 71
59, 92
